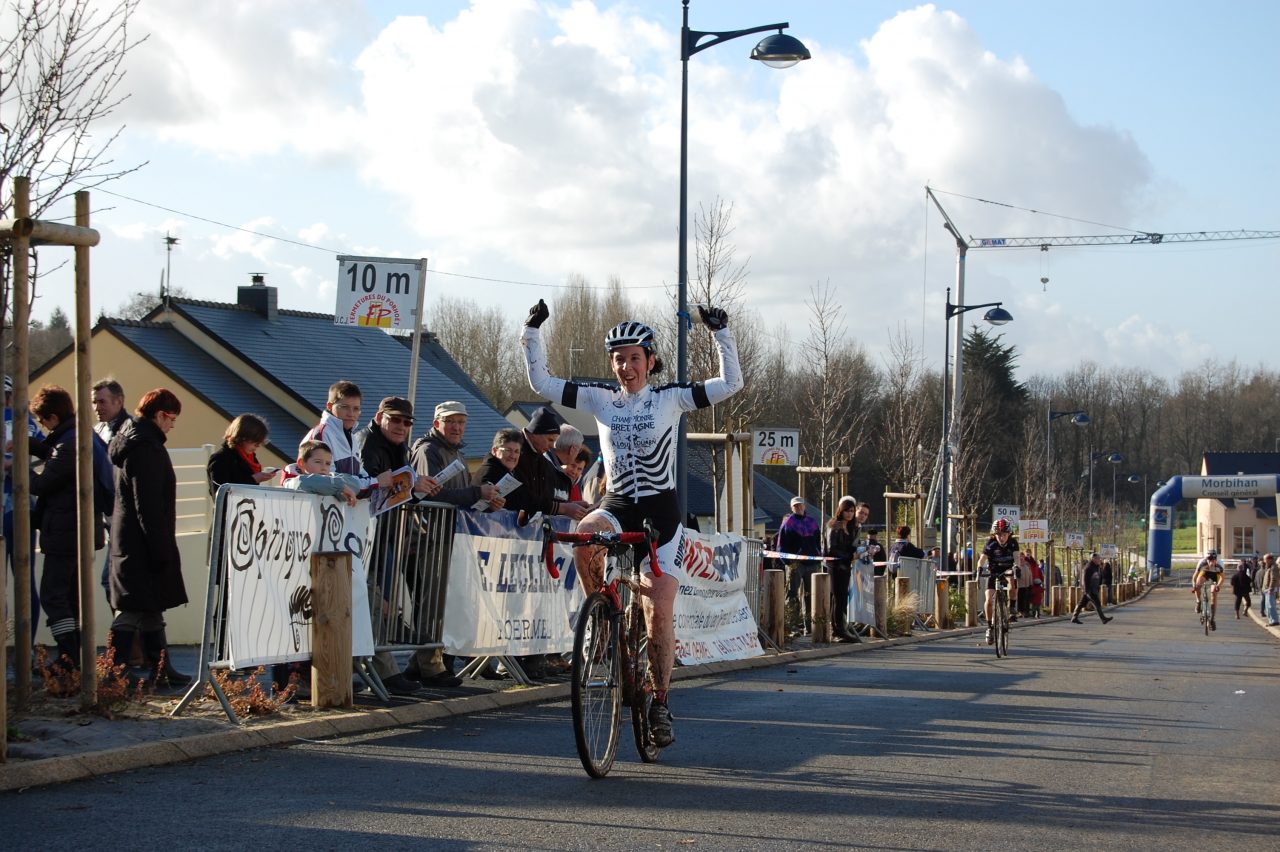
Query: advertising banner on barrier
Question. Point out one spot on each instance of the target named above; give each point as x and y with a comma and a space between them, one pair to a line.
501, 600
268, 538
862, 593
713, 618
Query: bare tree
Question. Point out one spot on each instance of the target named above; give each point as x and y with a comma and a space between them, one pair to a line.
484, 343
907, 428
61, 66
837, 388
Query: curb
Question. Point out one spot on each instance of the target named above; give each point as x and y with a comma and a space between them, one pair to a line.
57, 770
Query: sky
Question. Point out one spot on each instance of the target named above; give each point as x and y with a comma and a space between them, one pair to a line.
516, 143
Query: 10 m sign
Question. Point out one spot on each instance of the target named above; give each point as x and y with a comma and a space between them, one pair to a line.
377, 292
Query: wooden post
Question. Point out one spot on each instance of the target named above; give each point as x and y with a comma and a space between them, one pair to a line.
331, 630
971, 605
775, 606
820, 583
20, 545
880, 585
1075, 597
901, 590
1104, 596
941, 605
84, 469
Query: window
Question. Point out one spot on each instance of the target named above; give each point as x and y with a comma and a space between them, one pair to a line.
1242, 540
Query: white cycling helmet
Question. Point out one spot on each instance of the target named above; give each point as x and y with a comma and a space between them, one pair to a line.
628, 333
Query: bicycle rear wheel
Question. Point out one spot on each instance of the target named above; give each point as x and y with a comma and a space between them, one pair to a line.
595, 693
637, 675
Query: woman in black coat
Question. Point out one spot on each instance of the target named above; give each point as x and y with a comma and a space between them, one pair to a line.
842, 542
56, 495
236, 461
146, 571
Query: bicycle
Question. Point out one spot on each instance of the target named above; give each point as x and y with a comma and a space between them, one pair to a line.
1206, 606
610, 649
1000, 615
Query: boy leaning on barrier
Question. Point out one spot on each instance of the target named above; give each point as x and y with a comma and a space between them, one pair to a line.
315, 474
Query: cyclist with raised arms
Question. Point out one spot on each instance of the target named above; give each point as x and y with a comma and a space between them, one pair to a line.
1000, 553
1209, 570
639, 431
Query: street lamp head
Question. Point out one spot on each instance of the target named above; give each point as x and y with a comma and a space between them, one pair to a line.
1115, 458
1134, 478
780, 50
998, 316
1081, 419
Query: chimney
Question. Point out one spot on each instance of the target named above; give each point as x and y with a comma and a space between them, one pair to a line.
258, 296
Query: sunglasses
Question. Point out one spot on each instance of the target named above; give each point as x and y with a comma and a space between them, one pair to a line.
399, 420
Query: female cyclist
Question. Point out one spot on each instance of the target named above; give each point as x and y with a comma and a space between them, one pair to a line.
639, 429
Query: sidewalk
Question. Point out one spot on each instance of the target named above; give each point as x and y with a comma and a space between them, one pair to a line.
63, 745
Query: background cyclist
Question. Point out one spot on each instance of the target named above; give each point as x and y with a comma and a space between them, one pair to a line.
1000, 553
639, 432
1209, 570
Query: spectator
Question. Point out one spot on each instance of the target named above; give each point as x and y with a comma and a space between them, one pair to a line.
1107, 577
1241, 586
1091, 584
236, 461
504, 455
384, 449
875, 550
595, 482
1270, 586
798, 536
842, 541
1036, 570
336, 430
537, 476
33, 431
108, 405
562, 453
146, 570
443, 445
902, 546
57, 503
1024, 581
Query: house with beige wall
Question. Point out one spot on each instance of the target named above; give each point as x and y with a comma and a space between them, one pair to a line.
1240, 527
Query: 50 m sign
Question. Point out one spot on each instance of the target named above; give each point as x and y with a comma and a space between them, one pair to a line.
377, 292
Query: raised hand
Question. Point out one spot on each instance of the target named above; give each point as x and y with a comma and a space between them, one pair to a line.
537, 315
713, 318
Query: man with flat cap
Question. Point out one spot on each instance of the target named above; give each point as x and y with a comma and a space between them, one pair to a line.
443, 445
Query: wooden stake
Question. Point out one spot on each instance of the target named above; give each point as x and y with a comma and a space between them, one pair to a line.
821, 603
775, 606
971, 605
941, 605
331, 630
880, 587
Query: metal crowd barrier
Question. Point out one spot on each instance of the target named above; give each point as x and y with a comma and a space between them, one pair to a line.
408, 571
921, 574
755, 558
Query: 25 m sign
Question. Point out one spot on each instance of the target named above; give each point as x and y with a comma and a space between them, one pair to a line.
377, 292
776, 447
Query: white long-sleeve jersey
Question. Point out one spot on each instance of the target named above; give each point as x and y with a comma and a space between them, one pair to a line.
638, 431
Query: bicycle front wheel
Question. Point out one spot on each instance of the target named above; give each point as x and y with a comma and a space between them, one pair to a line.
1002, 624
595, 693
637, 675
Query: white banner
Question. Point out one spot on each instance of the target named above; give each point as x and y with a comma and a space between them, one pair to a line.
862, 593
713, 619
268, 538
502, 601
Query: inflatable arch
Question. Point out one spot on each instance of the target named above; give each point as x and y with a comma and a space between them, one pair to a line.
1179, 488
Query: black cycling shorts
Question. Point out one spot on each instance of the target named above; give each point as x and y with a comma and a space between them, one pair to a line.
663, 510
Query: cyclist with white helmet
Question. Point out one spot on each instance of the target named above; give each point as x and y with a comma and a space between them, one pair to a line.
639, 432
1209, 570
1000, 553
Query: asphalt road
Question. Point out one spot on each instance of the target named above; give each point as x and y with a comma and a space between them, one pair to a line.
1140, 734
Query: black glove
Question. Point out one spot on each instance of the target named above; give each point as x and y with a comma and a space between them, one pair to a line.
713, 318
537, 315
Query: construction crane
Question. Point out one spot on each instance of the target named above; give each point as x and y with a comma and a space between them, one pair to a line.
1149, 238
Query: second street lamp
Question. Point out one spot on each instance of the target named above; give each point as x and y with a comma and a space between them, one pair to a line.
777, 51
996, 316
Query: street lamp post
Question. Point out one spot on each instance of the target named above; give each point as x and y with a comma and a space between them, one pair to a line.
777, 51
996, 316
1079, 417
